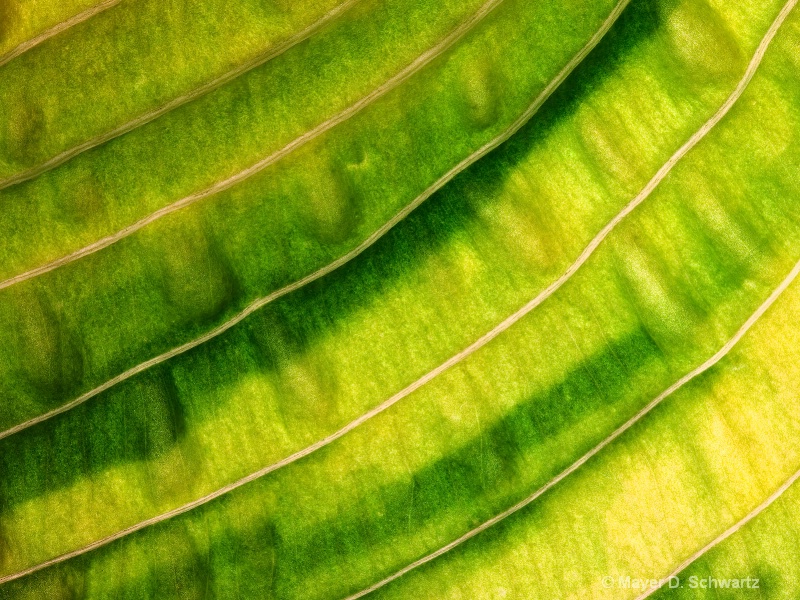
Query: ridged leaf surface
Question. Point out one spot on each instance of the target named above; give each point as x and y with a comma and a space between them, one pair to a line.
414, 299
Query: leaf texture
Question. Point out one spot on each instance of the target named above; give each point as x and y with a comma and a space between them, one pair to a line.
400, 300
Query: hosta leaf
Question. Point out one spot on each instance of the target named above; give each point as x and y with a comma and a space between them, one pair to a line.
24, 25
286, 224
110, 73
231, 129
567, 367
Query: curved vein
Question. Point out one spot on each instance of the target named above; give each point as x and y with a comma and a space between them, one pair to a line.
55, 30
345, 258
180, 100
298, 142
721, 353
398, 396
752, 67
726, 534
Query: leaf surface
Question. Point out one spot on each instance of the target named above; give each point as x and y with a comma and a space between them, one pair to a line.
568, 364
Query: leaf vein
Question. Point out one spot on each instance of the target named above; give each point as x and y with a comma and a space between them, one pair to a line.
206, 88
55, 30
386, 404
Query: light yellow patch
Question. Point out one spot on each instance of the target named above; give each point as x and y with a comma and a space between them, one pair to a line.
662, 311
481, 91
702, 39
714, 216
604, 136
777, 121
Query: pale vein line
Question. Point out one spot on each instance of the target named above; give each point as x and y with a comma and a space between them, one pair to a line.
298, 142
365, 417
180, 100
394, 399
483, 341
586, 457
681, 382
261, 302
728, 533
55, 30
